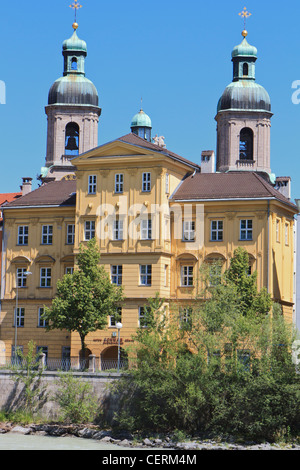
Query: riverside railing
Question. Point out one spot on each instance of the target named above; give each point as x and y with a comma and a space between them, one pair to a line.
91, 364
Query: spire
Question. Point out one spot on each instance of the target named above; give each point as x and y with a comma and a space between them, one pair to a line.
75, 6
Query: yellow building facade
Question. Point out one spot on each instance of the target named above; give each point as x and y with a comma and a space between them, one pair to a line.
155, 223
157, 217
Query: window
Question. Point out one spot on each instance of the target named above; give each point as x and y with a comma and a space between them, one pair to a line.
146, 187
287, 234
23, 235
185, 316
21, 277
41, 322
166, 275
187, 276
167, 183
243, 356
114, 319
277, 230
45, 277
246, 230
216, 233
119, 183
146, 229
69, 270
89, 230
117, 275
118, 230
246, 144
47, 235
142, 318
245, 69
74, 65
146, 275
92, 184
70, 234
19, 317
189, 231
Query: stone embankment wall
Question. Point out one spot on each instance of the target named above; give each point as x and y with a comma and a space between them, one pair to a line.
11, 396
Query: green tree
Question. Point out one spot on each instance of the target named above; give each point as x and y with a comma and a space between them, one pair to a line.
85, 298
229, 373
252, 302
29, 373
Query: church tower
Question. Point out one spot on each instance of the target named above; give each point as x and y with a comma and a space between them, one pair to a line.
73, 112
244, 117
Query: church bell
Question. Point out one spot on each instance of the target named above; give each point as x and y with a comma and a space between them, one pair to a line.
72, 144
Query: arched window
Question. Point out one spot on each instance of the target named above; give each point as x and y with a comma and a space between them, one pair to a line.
74, 65
245, 69
246, 144
72, 139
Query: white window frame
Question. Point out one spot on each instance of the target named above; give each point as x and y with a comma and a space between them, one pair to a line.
47, 234
146, 275
146, 229
287, 234
113, 320
23, 232
146, 185
69, 270
41, 322
45, 277
185, 314
118, 229
141, 318
19, 319
188, 232
246, 232
167, 183
89, 230
119, 183
21, 278
278, 230
187, 276
116, 274
216, 230
92, 186
70, 234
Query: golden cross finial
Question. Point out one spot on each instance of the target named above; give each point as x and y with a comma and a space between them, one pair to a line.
75, 6
245, 14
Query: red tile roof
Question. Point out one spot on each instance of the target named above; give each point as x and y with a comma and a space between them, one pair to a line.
55, 193
232, 185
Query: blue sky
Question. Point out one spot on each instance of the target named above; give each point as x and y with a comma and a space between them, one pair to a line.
176, 55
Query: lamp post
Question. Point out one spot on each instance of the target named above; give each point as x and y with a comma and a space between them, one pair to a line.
119, 326
16, 311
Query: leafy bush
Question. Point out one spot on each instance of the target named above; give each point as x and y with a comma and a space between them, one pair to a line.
228, 373
76, 400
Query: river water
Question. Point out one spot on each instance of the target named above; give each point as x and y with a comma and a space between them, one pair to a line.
13, 441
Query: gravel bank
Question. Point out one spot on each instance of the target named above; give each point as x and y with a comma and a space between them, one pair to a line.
125, 439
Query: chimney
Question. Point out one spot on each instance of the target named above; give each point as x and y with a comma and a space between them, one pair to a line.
208, 161
283, 185
26, 187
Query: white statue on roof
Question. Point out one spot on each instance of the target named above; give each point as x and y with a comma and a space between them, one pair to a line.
160, 141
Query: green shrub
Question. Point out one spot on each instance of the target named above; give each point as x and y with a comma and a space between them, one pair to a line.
76, 400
